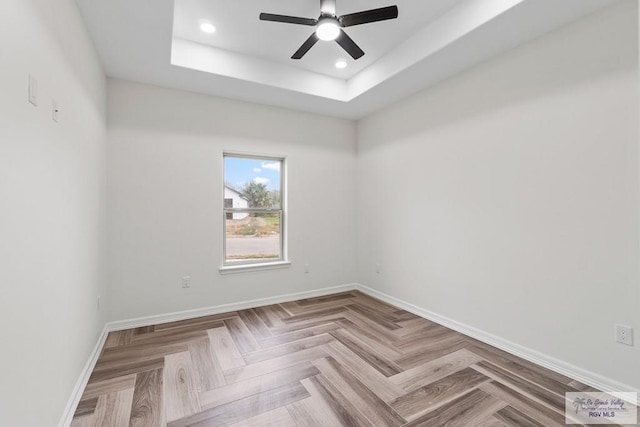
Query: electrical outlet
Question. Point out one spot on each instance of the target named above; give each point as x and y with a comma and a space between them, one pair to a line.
186, 282
98, 303
378, 267
307, 269
624, 334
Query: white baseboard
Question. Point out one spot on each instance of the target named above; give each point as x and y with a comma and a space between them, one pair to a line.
225, 308
85, 374
584, 376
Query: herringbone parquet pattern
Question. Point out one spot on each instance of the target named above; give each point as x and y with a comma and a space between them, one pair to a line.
342, 360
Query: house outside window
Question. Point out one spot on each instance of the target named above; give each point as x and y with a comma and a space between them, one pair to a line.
253, 210
234, 199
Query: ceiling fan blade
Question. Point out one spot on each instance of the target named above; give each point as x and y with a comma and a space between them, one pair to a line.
288, 19
312, 40
328, 7
373, 15
349, 45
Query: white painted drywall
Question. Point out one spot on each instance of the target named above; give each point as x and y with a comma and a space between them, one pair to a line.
165, 198
506, 198
52, 207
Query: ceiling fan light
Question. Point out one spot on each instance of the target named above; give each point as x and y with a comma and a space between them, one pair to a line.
328, 31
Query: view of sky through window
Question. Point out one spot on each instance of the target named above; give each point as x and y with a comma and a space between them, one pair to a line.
239, 171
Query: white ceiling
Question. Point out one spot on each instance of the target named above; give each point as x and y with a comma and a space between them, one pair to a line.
159, 42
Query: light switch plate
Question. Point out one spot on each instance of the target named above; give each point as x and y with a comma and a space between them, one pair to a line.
33, 90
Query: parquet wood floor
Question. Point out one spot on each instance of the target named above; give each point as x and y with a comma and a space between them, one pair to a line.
340, 360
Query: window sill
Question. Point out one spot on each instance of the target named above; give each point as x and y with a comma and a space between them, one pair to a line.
231, 269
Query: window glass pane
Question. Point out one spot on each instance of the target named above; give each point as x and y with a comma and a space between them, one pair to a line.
253, 236
253, 183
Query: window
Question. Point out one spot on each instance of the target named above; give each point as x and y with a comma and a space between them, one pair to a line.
253, 210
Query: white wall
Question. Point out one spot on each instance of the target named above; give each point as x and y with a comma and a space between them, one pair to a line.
507, 197
165, 198
52, 208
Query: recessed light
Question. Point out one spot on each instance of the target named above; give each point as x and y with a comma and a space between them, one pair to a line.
207, 27
341, 64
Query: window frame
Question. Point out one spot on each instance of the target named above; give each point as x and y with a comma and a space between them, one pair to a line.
256, 264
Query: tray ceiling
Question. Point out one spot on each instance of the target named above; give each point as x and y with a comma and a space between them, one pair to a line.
160, 42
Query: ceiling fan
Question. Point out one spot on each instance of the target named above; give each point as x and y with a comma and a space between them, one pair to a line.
330, 27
